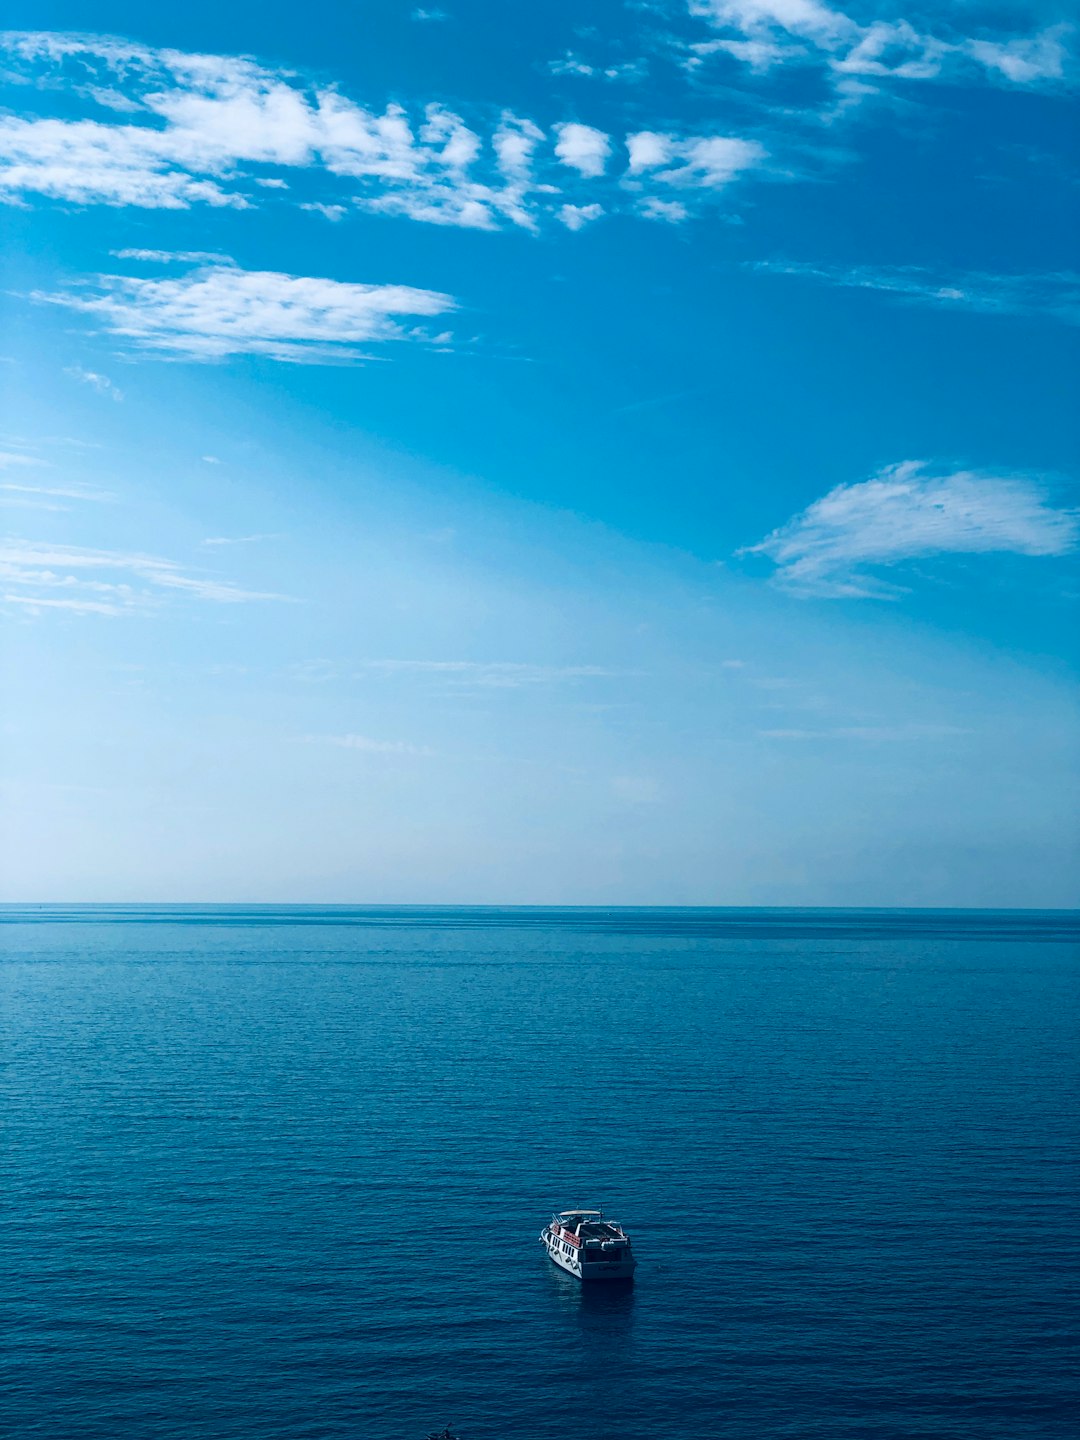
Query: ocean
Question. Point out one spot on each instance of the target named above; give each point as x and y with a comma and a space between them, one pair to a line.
280, 1172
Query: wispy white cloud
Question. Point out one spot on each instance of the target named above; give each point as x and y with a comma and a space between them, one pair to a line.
222, 310
1026, 60
30, 494
63, 492
369, 746
871, 734
328, 212
672, 212
177, 257
38, 604
571, 64
40, 576
500, 674
203, 129
884, 46
576, 217
692, 162
239, 539
906, 512
101, 383
1053, 295
9, 458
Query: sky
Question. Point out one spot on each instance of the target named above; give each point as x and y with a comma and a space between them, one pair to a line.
493, 454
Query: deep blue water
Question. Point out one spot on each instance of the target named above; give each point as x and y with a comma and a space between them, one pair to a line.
280, 1173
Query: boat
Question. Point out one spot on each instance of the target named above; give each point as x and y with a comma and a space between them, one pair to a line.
583, 1243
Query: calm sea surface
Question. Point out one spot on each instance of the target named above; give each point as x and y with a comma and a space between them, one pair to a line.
279, 1172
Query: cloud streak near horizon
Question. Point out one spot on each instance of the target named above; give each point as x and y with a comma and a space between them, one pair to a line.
38, 577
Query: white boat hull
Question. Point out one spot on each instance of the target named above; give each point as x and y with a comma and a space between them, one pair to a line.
566, 1257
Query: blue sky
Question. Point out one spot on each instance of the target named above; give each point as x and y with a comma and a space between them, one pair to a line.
459, 453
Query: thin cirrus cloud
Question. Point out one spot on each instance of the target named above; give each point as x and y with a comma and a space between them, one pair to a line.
860, 52
175, 257
1055, 296
101, 383
197, 130
221, 310
368, 746
39, 577
497, 674
872, 734
904, 513
14, 493
29, 493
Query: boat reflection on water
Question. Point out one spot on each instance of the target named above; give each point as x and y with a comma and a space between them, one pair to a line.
607, 1308
614, 1298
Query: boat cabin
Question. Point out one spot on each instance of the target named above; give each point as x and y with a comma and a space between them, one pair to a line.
596, 1240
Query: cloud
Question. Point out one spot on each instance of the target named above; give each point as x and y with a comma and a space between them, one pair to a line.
222, 310
91, 163
40, 577
204, 129
498, 674
871, 734
1025, 61
179, 257
328, 212
101, 383
1056, 296
672, 212
904, 513
514, 143
694, 161
764, 34
369, 746
432, 16
647, 150
36, 604
26, 493
575, 217
13, 457
571, 64
583, 148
